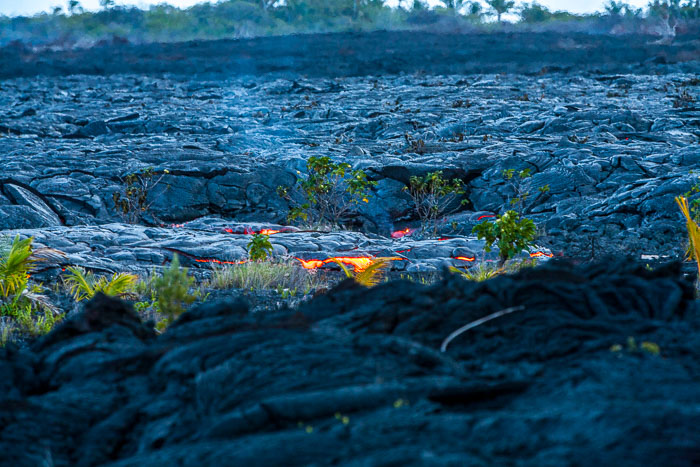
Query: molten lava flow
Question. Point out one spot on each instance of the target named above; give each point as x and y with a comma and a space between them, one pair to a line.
465, 258
485, 216
402, 233
248, 231
359, 263
218, 261
539, 254
311, 263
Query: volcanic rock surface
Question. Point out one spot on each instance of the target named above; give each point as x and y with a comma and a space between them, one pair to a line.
597, 119
356, 377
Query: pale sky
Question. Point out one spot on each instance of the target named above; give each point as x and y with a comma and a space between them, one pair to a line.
30, 7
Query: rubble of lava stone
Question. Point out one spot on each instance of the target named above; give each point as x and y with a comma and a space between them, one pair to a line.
211, 242
614, 141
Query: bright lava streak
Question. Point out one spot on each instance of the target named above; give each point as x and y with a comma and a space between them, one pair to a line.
218, 261
465, 258
539, 254
253, 232
402, 233
359, 263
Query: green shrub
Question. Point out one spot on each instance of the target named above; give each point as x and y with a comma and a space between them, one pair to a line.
172, 290
432, 195
329, 192
511, 233
259, 247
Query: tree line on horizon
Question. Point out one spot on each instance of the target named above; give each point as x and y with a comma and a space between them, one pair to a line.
248, 18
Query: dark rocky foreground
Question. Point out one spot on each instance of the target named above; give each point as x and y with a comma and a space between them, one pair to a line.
541, 386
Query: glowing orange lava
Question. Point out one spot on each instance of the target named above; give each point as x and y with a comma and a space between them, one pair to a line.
402, 233
311, 263
359, 263
539, 254
248, 231
465, 258
218, 261
485, 216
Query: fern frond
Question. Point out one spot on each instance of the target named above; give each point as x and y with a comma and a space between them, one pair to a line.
345, 269
374, 273
80, 283
120, 284
693, 230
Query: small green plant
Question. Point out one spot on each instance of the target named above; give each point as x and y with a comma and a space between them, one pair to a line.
17, 262
510, 232
31, 312
131, 201
432, 195
480, 273
259, 247
516, 181
172, 290
422, 278
15, 265
84, 285
329, 192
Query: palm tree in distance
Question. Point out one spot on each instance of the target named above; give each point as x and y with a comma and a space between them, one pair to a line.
501, 6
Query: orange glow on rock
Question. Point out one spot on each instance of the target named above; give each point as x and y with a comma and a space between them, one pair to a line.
485, 216
465, 258
540, 254
402, 233
268, 232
